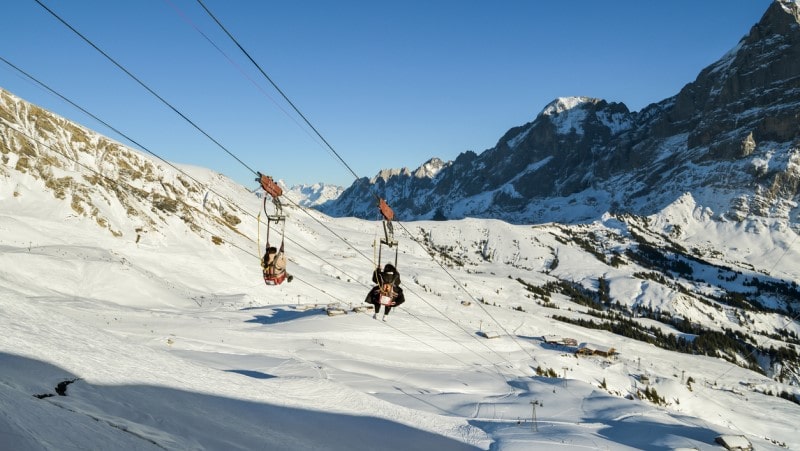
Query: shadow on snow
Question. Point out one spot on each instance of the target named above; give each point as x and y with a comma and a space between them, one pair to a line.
154, 417
284, 314
251, 373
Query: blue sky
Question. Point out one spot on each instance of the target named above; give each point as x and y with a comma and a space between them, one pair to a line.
388, 84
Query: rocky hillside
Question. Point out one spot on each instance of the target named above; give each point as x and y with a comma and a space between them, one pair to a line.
730, 138
124, 191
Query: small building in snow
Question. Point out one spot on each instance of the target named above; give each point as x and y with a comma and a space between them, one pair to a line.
593, 349
559, 340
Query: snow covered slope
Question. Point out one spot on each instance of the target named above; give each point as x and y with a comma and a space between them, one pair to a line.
134, 317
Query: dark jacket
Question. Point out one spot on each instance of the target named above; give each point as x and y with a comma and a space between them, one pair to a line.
374, 296
389, 276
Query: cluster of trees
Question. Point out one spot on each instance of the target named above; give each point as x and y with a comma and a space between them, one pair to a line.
540, 292
734, 346
727, 345
652, 395
788, 290
549, 372
676, 259
650, 256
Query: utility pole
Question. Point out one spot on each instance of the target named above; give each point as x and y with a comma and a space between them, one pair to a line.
565, 375
534, 425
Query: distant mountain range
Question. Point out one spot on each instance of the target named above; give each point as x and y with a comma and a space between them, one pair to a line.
315, 194
731, 138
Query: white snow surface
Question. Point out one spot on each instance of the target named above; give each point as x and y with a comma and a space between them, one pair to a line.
170, 341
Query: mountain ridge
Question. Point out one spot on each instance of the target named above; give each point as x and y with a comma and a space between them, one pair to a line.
582, 157
104, 180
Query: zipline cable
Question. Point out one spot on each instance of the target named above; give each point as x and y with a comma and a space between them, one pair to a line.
116, 183
131, 189
341, 159
143, 147
345, 163
479, 303
356, 176
165, 102
116, 130
130, 74
146, 87
241, 70
119, 184
280, 91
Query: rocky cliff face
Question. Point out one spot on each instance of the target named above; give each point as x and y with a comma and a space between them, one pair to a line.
123, 191
731, 138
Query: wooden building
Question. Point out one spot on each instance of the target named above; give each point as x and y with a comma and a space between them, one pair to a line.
593, 349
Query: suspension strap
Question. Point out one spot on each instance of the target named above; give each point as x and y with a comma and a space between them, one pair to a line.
388, 217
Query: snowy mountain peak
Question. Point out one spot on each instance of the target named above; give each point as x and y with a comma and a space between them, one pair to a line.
430, 168
386, 174
427, 170
563, 104
315, 194
568, 113
792, 7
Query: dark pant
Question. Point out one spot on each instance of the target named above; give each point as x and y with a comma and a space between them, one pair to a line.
386, 308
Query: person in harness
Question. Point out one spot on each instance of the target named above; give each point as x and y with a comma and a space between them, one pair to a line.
274, 266
386, 292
